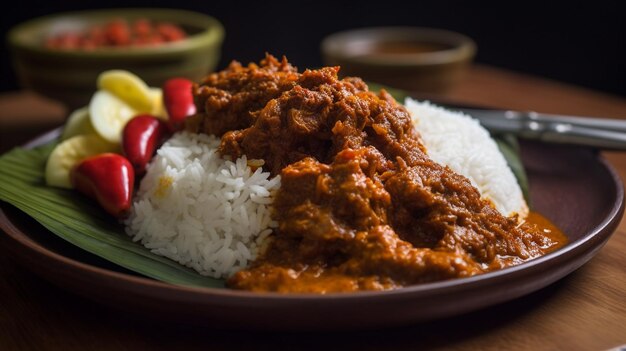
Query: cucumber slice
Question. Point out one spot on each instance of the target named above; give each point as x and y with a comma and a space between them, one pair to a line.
127, 87
78, 123
109, 115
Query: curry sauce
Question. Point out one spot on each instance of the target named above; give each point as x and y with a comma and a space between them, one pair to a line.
361, 205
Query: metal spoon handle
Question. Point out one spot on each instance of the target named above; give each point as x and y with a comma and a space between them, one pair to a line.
603, 133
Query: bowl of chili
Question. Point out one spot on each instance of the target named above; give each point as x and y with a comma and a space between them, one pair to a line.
60, 55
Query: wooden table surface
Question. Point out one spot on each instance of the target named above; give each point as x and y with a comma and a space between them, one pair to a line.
584, 311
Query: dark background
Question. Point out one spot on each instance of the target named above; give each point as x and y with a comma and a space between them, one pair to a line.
580, 43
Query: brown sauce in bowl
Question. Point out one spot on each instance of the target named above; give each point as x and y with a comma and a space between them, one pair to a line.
361, 205
399, 49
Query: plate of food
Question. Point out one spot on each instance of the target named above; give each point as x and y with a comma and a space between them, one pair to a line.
268, 198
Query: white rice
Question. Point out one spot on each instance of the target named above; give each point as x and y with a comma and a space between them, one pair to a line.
461, 143
201, 210
213, 215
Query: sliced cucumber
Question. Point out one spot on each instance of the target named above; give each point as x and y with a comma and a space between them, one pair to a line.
109, 115
78, 123
158, 107
127, 87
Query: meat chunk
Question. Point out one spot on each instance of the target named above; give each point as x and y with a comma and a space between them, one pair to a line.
228, 100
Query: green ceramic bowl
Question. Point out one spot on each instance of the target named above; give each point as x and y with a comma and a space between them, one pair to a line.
70, 75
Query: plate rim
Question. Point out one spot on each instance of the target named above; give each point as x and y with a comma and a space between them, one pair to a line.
593, 240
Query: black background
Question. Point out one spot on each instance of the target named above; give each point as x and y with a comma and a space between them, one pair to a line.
577, 42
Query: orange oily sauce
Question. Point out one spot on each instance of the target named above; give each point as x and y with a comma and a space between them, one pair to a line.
322, 279
550, 230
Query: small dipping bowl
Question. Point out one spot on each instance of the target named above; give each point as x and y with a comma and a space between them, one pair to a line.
411, 58
69, 75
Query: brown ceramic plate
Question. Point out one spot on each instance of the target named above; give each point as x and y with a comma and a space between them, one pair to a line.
574, 187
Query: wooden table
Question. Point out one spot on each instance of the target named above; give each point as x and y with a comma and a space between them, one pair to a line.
584, 311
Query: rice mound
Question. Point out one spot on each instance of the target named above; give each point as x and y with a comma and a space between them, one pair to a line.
461, 143
201, 210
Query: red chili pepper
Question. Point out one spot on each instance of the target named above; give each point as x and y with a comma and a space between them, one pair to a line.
141, 137
118, 32
170, 32
178, 100
142, 27
109, 178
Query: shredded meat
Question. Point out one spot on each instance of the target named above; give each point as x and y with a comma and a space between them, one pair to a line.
361, 205
229, 100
